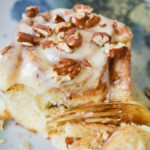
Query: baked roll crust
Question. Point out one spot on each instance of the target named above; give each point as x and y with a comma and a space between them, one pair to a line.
63, 58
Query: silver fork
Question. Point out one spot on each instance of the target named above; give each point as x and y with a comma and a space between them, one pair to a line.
111, 113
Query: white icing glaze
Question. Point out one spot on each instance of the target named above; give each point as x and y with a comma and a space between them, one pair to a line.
37, 73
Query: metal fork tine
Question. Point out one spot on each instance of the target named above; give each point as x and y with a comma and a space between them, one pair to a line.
70, 113
103, 113
104, 120
110, 105
85, 116
111, 119
99, 107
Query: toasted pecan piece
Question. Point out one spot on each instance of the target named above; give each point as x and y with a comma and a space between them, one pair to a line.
62, 26
27, 39
44, 31
32, 11
92, 21
100, 38
60, 37
85, 8
5, 50
69, 141
103, 25
47, 44
58, 19
116, 28
67, 66
79, 20
64, 47
65, 70
73, 38
117, 50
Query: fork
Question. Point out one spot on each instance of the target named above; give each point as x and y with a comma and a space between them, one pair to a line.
110, 113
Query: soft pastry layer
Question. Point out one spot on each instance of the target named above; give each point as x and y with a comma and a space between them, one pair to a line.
33, 115
102, 137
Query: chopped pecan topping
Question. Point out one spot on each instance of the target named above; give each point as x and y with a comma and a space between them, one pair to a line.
47, 44
60, 37
147, 92
69, 141
43, 30
64, 47
116, 28
101, 38
86, 63
117, 50
92, 21
80, 15
85, 8
27, 39
79, 20
62, 26
103, 25
66, 69
58, 19
32, 11
73, 38
5, 50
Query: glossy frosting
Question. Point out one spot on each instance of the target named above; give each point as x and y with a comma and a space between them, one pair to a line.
18, 67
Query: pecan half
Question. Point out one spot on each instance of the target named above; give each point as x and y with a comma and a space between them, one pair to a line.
117, 50
101, 38
85, 8
5, 50
32, 11
103, 25
62, 26
27, 39
47, 44
64, 47
66, 69
116, 28
44, 31
58, 19
92, 21
79, 19
73, 38
86, 63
